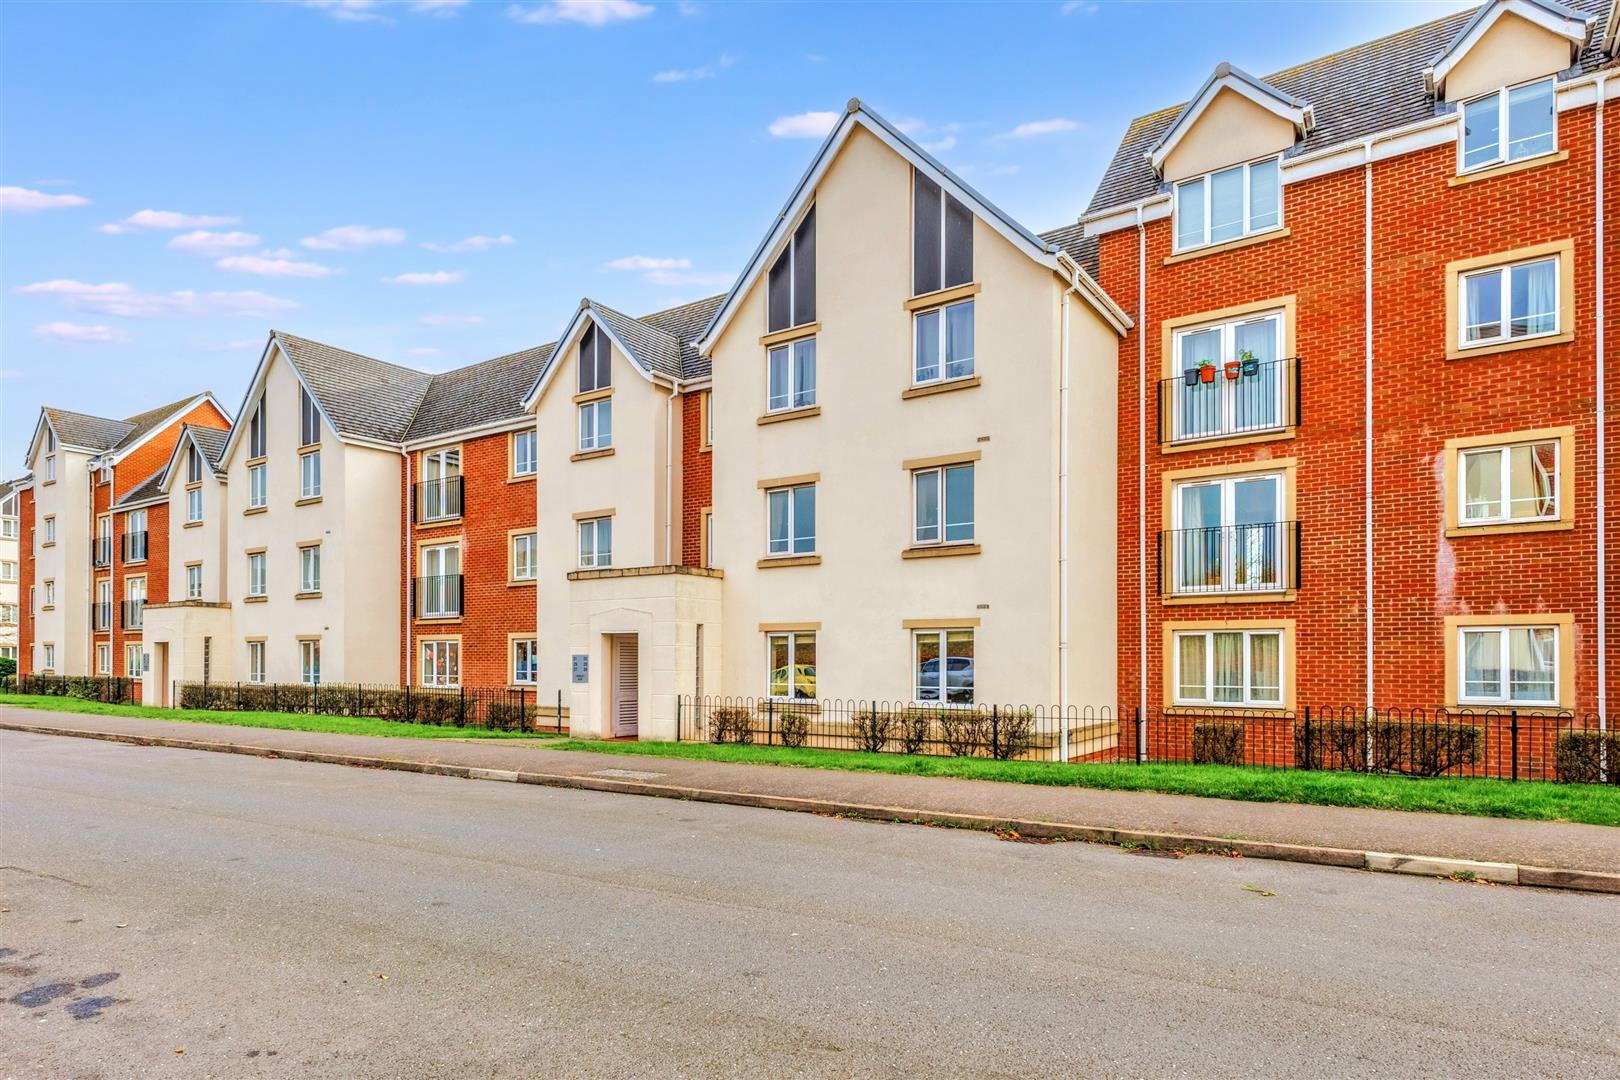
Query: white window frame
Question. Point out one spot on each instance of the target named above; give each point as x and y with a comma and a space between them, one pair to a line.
309, 474
530, 646
793, 638
525, 549
441, 663
1504, 324
1208, 181
788, 550
104, 658
525, 463
941, 637
942, 337
309, 418
8, 570
50, 592
596, 440
104, 606
1228, 328
1503, 451
50, 468
309, 661
194, 505
50, 656
1506, 696
935, 474
134, 523
255, 662
135, 597
1229, 555
258, 486
134, 661
257, 561
1249, 700
598, 559
309, 568
437, 558
795, 395
194, 583
1503, 135
439, 467
50, 528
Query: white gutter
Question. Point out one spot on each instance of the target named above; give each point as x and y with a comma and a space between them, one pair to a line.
410, 568
1367, 403
1141, 458
1602, 472
1064, 600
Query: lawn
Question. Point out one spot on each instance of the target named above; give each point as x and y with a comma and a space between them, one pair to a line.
337, 725
1591, 804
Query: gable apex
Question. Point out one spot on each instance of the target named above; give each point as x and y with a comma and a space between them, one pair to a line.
1549, 15
1228, 77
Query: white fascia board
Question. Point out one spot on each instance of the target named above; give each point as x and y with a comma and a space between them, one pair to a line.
1124, 217
254, 390
1298, 115
114, 457
1568, 26
576, 329
493, 427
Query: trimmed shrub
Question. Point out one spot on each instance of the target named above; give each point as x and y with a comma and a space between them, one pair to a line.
1217, 744
1012, 734
872, 729
793, 727
915, 727
731, 724
508, 716
8, 668
437, 707
1580, 756
1436, 749
964, 731
1388, 746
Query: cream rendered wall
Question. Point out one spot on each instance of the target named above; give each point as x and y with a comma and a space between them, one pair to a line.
67, 561
203, 542
1093, 509
366, 555
1513, 50
630, 481
1231, 130
10, 591
863, 590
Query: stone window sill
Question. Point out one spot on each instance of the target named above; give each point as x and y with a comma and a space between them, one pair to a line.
940, 551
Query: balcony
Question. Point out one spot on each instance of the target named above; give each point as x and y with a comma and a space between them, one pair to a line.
101, 617
101, 552
1250, 398
135, 546
438, 500
437, 597
132, 614
1229, 560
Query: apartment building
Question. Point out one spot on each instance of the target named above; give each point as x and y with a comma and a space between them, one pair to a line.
1361, 424
10, 567
94, 538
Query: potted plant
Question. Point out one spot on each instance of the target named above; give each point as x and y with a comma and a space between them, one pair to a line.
1251, 363
1206, 371
1190, 376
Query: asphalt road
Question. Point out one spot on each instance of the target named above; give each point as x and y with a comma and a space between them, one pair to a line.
246, 912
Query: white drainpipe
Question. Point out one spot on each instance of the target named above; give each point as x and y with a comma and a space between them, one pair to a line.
1602, 471
1141, 459
669, 477
1367, 405
410, 562
1064, 599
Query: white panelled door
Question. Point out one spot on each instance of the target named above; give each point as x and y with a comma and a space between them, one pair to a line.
626, 685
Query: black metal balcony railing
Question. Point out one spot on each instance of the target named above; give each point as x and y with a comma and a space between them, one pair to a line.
135, 546
101, 616
1229, 559
1239, 399
101, 551
438, 499
437, 597
131, 614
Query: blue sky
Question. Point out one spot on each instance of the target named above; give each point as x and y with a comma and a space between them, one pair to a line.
436, 183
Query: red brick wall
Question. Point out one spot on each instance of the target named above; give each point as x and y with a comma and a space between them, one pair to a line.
25, 581
1420, 399
153, 454
493, 504
697, 477
100, 500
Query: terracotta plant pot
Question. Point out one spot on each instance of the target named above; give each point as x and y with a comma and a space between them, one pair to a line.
1206, 373
1232, 368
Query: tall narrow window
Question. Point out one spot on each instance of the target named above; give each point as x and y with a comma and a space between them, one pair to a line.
134, 603
523, 556
1509, 124
523, 453
256, 442
194, 589
309, 661
439, 589
792, 375
943, 666
255, 661
596, 425
255, 574
790, 286
194, 465
792, 665
309, 419
1228, 535
194, 504
941, 238
135, 536
595, 360
309, 475
50, 657
258, 486
525, 661
134, 661
595, 543
104, 605
439, 495
50, 528
791, 512
1228, 204
309, 569
1250, 397
943, 505
104, 659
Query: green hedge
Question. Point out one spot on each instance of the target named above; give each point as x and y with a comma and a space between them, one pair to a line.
1387, 746
1580, 756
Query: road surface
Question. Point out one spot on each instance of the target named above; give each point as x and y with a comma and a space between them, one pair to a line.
280, 919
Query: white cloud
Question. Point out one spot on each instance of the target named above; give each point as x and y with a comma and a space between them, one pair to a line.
437, 7
268, 266
166, 219
707, 71
433, 277
667, 271
21, 200
80, 334
648, 262
593, 13
203, 242
688, 9
472, 243
939, 146
125, 301
450, 320
1035, 128
349, 10
1083, 7
352, 238
809, 125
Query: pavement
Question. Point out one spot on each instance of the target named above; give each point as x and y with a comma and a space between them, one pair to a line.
1506, 850
179, 914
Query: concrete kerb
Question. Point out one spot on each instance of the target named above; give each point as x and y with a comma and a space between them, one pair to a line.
1180, 843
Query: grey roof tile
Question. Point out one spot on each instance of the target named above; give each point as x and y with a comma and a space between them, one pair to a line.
211, 441
364, 398
147, 490
91, 432
1353, 93
482, 393
1081, 248
654, 349
687, 323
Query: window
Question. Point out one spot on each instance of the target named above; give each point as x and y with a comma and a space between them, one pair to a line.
194, 504
791, 371
8, 614
944, 343
1253, 401
309, 569
790, 286
309, 419
1510, 302
102, 554
441, 663
8, 516
8, 570
105, 474
943, 505
1510, 124
1228, 667
595, 360
1228, 204
596, 425
193, 465
523, 453
135, 536
309, 661
791, 514
793, 665
1504, 484
50, 528
134, 603
942, 666
525, 661
8, 652
440, 587
50, 657
1509, 665
255, 574
255, 661
440, 489
50, 468
941, 238
258, 489
523, 556
256, 431
595, 542
104, 659
134, 661
50, 593
309, 475
1227, 534
194, 582
103, 615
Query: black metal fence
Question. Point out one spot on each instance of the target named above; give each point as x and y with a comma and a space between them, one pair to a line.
497, 709
112, 688
134, 546
1239, 397
1500, 744
101, 551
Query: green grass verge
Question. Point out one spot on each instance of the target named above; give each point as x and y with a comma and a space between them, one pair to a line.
337, 725
1590, 804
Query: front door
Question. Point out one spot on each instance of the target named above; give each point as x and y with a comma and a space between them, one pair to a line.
626, 685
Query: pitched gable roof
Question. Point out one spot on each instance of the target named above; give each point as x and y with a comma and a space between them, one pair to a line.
211, 441
85, 431
1226, 77
361, 397
662, 344
1354, 93
1549, 15
149, 490
478, 394
687, 323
